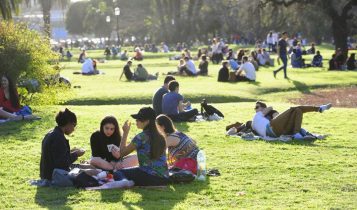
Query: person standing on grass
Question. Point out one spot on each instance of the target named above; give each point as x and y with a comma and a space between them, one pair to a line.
174, 107
287, 123
150, 147
157, 98
56, 152
108, 158
282, 53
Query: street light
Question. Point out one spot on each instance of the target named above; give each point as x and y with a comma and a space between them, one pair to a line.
117, 13
107, 19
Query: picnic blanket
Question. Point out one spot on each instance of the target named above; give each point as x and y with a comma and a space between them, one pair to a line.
284, 138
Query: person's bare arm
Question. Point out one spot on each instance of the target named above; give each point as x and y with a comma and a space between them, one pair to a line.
126, 149
239, 72
121, 74
181, 106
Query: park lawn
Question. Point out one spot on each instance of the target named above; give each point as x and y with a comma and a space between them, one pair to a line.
294, 175
275, 175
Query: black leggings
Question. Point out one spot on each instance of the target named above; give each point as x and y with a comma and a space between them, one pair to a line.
140, 177
184, 116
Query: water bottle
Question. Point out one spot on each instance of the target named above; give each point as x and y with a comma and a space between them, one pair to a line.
201, 166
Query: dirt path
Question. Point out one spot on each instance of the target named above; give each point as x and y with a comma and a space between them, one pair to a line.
339, 97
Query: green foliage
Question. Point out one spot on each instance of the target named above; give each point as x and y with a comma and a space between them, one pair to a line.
24, 54
9, 6
75, 17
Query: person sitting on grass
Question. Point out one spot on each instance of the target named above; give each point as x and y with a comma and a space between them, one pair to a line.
179, 144
141, 74
89, 67
203, 66
287, 123
223, 73
174, 107
317, 60
157, 98
126, 70
351, 62
56, 152
104, 155
10, 108
248, 69
189, 67
332, 63
124, 55
82, 57
138, 54
150, 147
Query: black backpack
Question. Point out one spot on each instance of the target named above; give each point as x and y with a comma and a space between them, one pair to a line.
84, 180
207, 110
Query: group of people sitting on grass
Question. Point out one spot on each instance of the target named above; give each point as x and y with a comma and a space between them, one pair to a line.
245, 72
140, 73
159, 147
339, 62
10, 108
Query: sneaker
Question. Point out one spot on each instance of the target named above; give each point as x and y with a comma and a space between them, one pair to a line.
274, 72
325, 107
231, 131
298, 136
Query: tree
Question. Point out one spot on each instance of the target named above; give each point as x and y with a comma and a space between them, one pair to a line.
340, 13
75, 17
9, 6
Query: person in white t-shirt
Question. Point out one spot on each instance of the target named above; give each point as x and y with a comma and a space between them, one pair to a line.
88, 67
189, 68
248, 69
287, 123
261, 58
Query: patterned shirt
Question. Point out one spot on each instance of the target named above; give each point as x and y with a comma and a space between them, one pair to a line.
186, 148
156, 167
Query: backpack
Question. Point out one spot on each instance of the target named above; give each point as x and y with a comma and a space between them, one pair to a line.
84, 180
208, 110
177, 175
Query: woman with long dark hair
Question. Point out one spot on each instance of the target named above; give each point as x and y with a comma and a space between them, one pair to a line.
9, 101
150, 146
179, 144
104, 154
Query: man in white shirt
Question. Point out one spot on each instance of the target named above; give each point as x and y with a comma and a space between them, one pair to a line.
287, 123
190, 68
249, 71
88, 67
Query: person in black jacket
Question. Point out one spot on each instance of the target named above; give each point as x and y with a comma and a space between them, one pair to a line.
203, 66
56, 152
104, 155
127, 72
223, 73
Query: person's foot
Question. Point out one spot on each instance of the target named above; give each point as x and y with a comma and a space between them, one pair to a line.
274, 73
325, 107
298, 136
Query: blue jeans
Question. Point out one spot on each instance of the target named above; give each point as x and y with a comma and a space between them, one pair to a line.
140, 177
284, 59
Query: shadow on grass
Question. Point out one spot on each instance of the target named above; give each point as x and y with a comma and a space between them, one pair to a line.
148, 100
155, 198
20, 130
301, 87
54, 198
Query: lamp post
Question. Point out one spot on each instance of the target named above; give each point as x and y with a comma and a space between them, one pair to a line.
107, 19
117, 13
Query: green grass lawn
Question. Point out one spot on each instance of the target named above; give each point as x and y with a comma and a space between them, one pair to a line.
294, 175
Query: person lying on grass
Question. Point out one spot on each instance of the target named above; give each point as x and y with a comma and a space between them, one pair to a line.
105, 147
287, 123
56, 152
179, 144
10, 108
150, 147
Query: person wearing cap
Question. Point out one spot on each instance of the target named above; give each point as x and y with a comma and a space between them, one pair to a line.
150, 147
157, 99
174, 107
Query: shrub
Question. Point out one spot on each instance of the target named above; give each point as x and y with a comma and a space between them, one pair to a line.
24, 54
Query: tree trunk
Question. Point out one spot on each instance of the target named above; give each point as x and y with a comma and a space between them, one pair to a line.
46, 11
340, 34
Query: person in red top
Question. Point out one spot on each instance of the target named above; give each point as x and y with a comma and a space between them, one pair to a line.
9, 101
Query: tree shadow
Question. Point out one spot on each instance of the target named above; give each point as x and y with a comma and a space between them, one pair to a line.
155, 197
148, 100
18, 128
54, 198
301, 86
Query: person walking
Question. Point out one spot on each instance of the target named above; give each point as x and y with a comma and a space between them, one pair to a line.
282, 53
